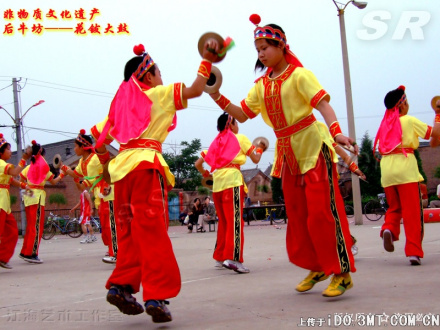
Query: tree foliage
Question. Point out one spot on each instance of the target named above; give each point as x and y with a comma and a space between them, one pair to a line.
182, 165
277, 191
420, 166
371, 168
58, 199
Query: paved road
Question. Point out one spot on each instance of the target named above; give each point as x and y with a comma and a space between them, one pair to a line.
67, 291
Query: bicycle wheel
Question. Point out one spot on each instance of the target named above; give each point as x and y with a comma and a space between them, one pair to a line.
374, 210
95, 226
49, 230
279, 216
73, 229
349, 210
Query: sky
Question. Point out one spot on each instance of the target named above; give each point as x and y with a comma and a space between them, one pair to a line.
390, 43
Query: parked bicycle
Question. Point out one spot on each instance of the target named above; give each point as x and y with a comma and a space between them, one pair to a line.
94, 222
65, 226
349, 211
375, 209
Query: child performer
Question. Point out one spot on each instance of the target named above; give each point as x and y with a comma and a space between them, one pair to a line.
108, 223
35, 176
398, 137
141, 115
85, 206
318, 237
89, 168
225, 155
8, 225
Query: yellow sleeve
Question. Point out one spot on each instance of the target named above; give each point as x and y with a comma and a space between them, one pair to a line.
310, 88
97, 129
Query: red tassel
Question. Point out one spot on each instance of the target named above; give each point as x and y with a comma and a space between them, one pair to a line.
34, 142
255, 18
82, 132
1, 136
139, 49
401, 87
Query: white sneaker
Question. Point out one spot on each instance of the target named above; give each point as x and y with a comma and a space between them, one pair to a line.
218, 264
7, 265
109, 260
93, 239
415, 261
85, 240
354, 250
387, 237
236, 266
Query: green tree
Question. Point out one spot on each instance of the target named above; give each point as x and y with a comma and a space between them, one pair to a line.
420, 166
371, 168
182, 165
58, 199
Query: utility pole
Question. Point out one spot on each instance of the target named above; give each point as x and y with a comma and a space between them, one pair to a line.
17, 109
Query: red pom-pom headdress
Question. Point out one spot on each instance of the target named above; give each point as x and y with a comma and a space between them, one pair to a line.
34, 142
266, 32
86, 144
2, 140
146, 64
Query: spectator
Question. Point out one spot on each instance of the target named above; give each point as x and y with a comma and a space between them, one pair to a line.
196, 210
436, 203
424, 193
208, 215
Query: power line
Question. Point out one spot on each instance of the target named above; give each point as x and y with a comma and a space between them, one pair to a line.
72, 91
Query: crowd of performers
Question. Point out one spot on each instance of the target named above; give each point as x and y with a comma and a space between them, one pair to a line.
133, 187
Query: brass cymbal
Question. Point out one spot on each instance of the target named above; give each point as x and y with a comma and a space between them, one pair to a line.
213, 35
263, 140
214, 82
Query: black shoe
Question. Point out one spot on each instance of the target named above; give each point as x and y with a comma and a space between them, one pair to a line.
190, 227
121, 297
31, 259
158, 310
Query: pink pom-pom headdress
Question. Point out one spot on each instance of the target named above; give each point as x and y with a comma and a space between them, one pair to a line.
146, 64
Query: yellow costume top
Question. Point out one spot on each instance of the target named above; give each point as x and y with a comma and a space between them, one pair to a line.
228, 177
286, 103
166, 100
400, 169
38, 194
90, 168
5, 181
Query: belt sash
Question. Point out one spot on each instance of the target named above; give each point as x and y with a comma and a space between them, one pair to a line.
142, 144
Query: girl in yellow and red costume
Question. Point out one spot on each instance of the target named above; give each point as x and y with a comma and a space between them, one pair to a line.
35, 176
89, 169
8, 224
141, 115
225, 155
318, 237
398, 137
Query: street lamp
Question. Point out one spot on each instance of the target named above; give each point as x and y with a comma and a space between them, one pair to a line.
18, 133
356, 189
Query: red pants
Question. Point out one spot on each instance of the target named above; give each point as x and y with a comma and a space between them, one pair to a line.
108, 227
8, 235
230, 238
318, 237
34, 229
404, 202
145, 253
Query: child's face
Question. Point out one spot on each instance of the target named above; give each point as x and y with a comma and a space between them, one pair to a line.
79, 151
404, 108
156, 80
268, 54
6, 154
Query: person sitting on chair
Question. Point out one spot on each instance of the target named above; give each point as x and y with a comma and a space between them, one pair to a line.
208, 215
